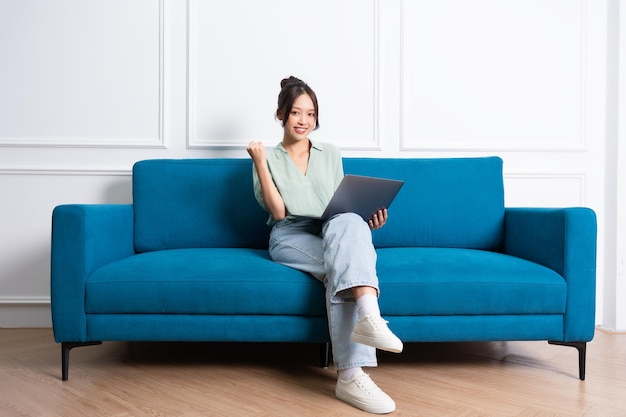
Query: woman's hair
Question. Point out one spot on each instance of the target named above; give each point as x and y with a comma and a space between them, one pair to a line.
291, 89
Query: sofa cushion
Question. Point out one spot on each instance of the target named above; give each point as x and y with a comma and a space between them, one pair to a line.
203, 281
447, 281
196, 203
445, 202
413, 281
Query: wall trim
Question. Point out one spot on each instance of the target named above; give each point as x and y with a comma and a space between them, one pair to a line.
22, 300
577, 176
80, 172
116, 143
25, 312
194, 142
489, 146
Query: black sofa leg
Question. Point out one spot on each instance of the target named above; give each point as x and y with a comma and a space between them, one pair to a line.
582, 355
65, 355
324, 354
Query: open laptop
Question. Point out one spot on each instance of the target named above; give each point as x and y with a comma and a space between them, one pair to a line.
362, 195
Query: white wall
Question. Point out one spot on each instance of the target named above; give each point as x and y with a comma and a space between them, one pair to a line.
616, 319
614, 306
89, 87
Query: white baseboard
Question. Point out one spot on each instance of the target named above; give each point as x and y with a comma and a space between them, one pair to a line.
25, 312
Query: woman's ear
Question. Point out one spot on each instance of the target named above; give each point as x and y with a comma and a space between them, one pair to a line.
279, 115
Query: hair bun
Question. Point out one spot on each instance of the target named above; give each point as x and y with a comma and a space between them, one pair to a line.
286, 81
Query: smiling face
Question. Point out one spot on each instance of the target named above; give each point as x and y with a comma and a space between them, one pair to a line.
301, 119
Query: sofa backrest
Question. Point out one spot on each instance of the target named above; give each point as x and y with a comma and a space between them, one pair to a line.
191, 203
445, 202
196, 203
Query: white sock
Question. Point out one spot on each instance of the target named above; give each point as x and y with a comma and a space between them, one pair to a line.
367, 305
347, 374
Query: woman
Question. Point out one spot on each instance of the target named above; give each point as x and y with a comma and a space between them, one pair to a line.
294, 182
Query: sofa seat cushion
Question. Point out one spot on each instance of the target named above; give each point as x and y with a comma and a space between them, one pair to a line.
447, 281
203, 281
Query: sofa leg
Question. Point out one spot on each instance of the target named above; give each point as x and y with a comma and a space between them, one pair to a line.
324, 354
582, 355
65, 355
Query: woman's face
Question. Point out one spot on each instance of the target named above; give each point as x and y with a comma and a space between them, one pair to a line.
301, 119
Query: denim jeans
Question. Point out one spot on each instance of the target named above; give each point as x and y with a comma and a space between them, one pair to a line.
339, 253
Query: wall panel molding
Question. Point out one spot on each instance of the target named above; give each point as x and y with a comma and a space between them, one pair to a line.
214, 122
484, 87
541, 189
24, 300
79, 172
72, 69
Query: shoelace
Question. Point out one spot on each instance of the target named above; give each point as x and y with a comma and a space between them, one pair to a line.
378, 322
365, 383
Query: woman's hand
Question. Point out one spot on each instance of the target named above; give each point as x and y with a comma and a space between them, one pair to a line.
378, 220
256, 150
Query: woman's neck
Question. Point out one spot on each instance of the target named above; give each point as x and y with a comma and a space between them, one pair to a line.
297, 148
299, 153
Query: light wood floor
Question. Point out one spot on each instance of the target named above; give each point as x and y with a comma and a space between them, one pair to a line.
521, 379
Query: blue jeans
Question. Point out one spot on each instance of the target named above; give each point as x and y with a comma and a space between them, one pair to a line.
339, 253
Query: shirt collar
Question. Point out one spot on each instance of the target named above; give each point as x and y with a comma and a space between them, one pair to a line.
279, 150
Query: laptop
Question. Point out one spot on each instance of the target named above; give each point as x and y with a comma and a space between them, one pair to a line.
362, 195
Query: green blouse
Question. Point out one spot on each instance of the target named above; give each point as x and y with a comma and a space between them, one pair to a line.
305, 195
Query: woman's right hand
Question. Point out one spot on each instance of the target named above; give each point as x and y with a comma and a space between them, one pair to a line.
256, 150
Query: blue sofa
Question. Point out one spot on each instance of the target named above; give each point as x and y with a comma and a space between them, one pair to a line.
188, 261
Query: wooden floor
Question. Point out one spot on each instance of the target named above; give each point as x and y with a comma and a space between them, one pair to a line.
522, 379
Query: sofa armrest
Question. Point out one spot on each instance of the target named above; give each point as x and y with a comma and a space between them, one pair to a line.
563, 239
84, 237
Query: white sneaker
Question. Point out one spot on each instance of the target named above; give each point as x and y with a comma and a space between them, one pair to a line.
364, 394
373, 331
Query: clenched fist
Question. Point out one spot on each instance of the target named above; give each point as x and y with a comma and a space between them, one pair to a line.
256, 150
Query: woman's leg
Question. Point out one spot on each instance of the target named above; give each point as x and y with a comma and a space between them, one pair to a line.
297, 243
350, 261
348, 273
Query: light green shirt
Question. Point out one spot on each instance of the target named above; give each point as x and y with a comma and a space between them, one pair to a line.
304, 194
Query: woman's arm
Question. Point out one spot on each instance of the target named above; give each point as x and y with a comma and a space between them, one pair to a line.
272, 199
